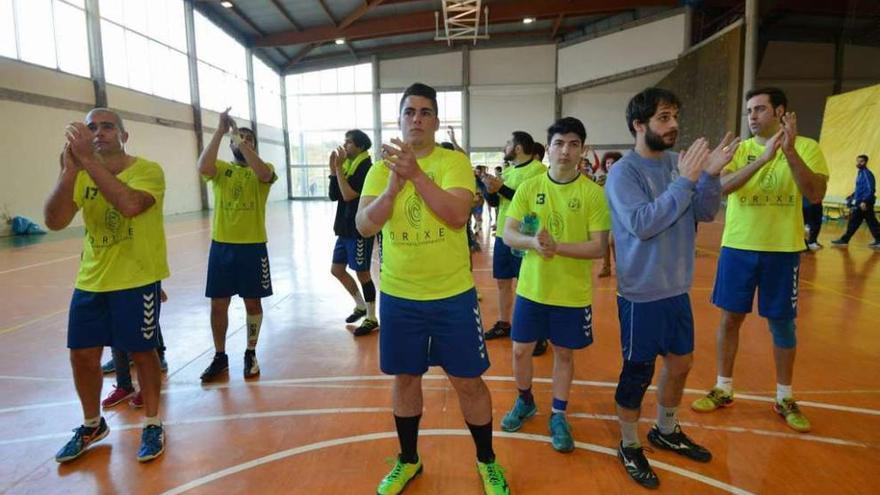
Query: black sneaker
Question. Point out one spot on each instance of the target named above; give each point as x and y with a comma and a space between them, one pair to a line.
874, 245
679, 443
356, 315
219, 365
251, 366
499, 330
637, 467
366, 327
540, 348
839, 242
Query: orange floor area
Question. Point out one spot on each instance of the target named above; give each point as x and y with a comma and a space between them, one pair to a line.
318, 420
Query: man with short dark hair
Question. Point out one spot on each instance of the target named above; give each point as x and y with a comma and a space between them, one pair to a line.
420, 198
554, 293
238, 263
760, 248
349, 165
861, 206
116, 300
655, 197
519, 151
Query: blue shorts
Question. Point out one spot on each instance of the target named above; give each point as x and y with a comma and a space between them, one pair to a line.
443, 332
774, 275
504, 264
356, 252
655, 328
241, 269
571, 328
127, 319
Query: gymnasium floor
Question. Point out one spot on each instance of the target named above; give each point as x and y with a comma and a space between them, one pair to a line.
318, 420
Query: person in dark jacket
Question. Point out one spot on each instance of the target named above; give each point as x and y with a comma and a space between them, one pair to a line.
861, 204
348, 168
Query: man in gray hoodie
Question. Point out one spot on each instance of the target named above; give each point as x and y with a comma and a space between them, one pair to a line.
653, 213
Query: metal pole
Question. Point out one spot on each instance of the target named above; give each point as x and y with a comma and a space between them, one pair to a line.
750, 51
195, 102
96, 54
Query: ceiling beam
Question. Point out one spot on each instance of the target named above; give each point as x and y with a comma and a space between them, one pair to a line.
556, 24
508, 11
278, 5
367, 6
299, 56
329, 14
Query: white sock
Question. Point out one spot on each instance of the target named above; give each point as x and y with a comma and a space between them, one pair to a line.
152, 421
666, 419
371, 310
782, 392
629, 433
358, 300
92, 422
254, 322
725, 383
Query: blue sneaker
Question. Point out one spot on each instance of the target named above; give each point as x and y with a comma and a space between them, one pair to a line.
82, 438
560, 433
514, 418
152, 443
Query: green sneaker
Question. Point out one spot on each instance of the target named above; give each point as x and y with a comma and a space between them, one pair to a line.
792, 414
402, 473
493, 478
517, 415
713, 400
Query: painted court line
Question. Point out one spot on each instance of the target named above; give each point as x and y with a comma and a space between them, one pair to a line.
435, 432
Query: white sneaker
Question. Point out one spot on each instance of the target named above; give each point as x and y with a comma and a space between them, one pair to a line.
815, 246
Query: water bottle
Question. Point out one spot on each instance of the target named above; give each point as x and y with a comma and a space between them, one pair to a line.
529, 227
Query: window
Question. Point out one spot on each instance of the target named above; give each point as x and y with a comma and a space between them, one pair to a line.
267, 93
222, 69
321, 107
51, 33
144, 46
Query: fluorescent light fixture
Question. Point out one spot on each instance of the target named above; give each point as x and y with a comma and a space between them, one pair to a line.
340, 41
226, 4
528, 20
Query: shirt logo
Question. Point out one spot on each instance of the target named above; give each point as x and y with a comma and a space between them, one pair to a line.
112, 220
769, 182
555, 225
228, 173
540, 199
413, 209
574, 204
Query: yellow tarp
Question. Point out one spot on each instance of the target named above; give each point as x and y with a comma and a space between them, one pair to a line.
851, 127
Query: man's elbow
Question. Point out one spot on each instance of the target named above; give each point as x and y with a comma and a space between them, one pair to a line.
53, 223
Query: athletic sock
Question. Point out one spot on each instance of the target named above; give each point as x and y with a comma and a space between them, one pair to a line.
408, 436
782, 392
482, 435
630, 433
725, 383
253, 330
666, 420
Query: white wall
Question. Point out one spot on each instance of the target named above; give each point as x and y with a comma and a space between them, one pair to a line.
641, 46
434, 70
602, 109
516, 65
498, 110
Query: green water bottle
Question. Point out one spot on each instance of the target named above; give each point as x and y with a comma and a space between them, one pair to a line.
528, 226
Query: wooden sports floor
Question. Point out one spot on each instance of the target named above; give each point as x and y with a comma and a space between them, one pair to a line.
318, 420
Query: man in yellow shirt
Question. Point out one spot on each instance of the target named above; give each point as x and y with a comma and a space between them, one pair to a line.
519, 152
765, 182
239, 262
554, 294
419, 197
116, 299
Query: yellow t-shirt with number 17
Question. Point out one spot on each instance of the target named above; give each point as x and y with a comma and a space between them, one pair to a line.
423, 258
570, 212
118, 252
765, 214
239, 204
